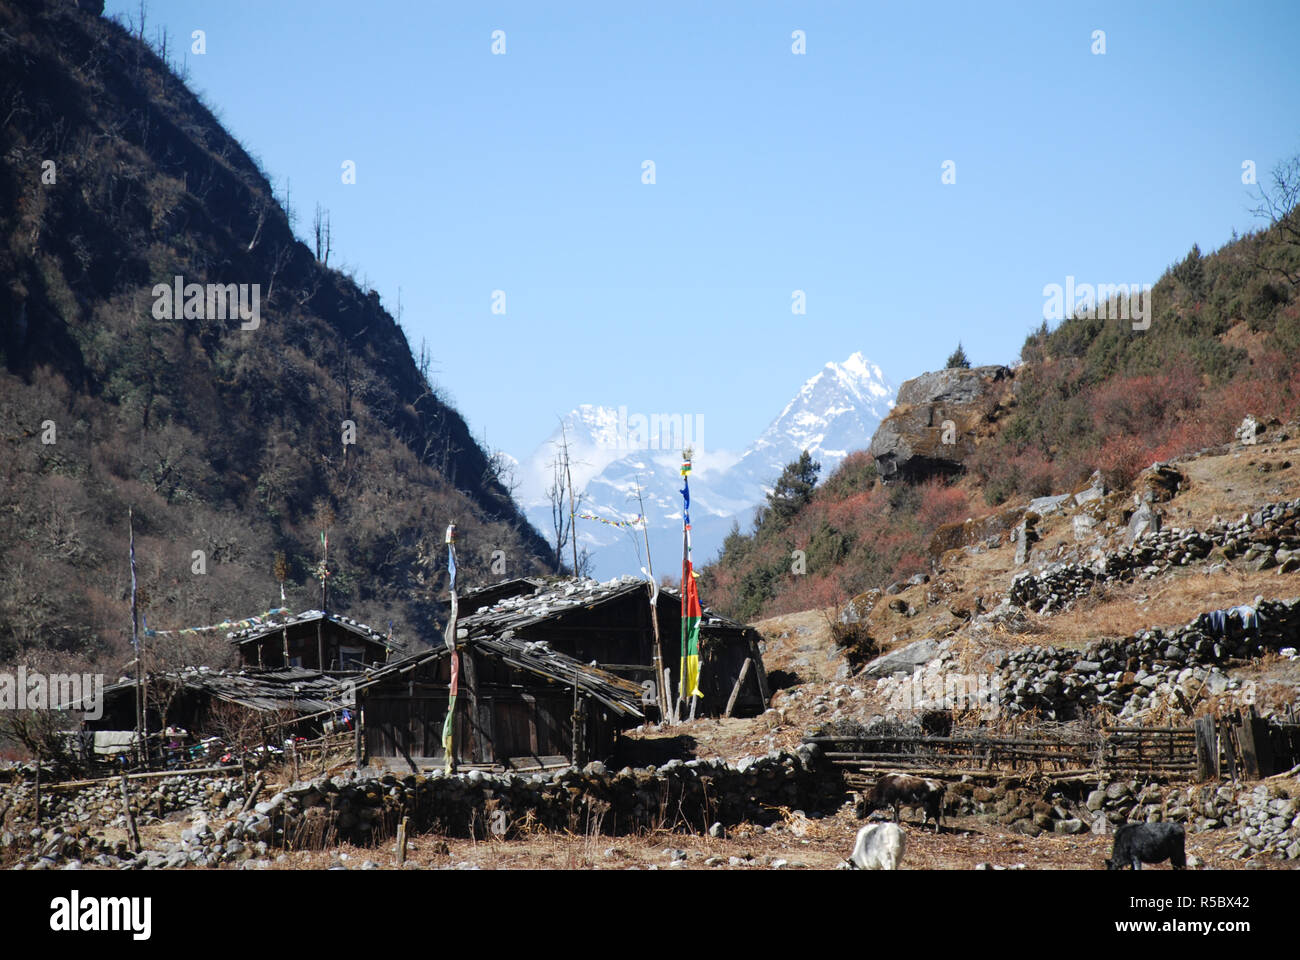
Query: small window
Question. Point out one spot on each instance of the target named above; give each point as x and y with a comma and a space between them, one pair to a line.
352, 658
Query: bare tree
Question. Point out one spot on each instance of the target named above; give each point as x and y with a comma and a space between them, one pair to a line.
564, 515
501, 470
260, 206
321, 230
41, 732
279, 260
560, 522
243, 729
1280, 205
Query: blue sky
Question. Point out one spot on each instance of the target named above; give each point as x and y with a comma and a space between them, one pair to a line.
774, 172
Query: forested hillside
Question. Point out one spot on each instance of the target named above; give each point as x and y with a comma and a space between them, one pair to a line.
229, 438
1223, 341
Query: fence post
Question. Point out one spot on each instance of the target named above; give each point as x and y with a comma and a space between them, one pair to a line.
1249, 752
1207, 749
133, 834
38, 788
1229, 753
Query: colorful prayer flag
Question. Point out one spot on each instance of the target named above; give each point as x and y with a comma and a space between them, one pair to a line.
691, 611
449, 725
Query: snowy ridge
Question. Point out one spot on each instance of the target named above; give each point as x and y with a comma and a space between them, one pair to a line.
833, 413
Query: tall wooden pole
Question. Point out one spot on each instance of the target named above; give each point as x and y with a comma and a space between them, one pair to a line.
132, 832
324, 569
324, 599
654, 611
449, 638
141, 731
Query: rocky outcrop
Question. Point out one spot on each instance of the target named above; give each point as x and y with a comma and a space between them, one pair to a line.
986, 532
905, 659
936, 418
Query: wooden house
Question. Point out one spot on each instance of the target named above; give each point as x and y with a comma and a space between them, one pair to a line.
281, 701
315, 640
520, 706
609, 623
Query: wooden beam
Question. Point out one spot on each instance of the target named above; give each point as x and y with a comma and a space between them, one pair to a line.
1207, 750
740, 682
1225, 739
251, 799
70, 784
1246, 737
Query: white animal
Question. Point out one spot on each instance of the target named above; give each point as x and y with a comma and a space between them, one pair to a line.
880, 846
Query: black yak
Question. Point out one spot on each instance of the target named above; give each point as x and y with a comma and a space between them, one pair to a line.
1139, 843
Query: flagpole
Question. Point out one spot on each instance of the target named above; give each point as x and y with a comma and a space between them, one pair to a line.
690, 617
686, 573
449, 725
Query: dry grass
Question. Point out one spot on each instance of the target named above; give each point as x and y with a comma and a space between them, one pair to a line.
802, 843
1123, 609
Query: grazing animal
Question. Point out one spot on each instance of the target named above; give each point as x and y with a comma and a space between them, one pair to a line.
897, 790
880, 846
1139, 843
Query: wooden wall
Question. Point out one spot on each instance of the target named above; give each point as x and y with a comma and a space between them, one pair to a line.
618, 634
268, 651
502, 714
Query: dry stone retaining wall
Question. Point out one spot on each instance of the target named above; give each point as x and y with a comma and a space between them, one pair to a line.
694, 794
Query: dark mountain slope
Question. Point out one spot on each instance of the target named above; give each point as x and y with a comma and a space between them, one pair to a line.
227, 441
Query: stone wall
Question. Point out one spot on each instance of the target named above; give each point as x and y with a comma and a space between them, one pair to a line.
1267, 538
693, 795
1130, 675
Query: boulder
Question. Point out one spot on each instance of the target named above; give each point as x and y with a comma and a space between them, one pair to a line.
1145, 519
860, 607
904, 659
1158, 483
1095, 490
912, 441
1085, 526
1045, 505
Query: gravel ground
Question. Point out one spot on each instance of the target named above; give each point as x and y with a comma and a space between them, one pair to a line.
796, 844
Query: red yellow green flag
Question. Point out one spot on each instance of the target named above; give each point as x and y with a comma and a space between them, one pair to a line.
691, 612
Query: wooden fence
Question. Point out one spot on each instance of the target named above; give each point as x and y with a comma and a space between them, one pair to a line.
1240, 745
1245, 746
1168, 750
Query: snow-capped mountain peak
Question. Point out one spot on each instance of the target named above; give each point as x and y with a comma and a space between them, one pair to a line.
832, 413
835, 411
